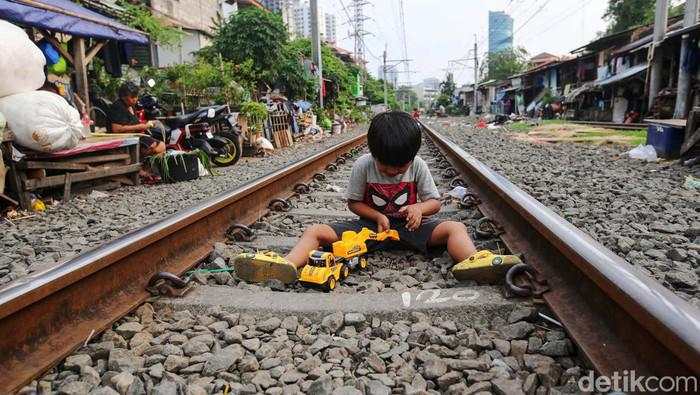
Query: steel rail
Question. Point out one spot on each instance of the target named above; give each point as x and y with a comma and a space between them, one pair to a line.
621, 319
47, 315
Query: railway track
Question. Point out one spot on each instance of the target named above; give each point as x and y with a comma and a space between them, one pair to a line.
617, 318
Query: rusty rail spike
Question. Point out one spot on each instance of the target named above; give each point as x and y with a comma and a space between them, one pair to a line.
240, 232
281, 205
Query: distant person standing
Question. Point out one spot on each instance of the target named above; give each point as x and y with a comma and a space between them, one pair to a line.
416, 113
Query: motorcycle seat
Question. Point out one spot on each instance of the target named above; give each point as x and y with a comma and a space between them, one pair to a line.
182, 120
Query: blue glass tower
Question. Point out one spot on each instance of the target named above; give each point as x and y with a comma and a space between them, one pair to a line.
500, 31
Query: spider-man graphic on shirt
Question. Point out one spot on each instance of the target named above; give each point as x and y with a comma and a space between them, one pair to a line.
389, 198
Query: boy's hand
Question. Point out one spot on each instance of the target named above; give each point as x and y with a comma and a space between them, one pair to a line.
414, 215
382, 223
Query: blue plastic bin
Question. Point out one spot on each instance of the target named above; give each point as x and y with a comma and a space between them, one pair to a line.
666, 137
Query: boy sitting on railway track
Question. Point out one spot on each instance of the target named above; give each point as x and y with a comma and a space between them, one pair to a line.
390, 188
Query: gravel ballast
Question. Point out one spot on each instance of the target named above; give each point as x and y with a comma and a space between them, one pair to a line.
177, 352
639, 210
86, 221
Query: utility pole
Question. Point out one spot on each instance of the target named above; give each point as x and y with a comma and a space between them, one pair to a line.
405, 52
660, 25
691, 16
316, 48
386, 99
476, 76
464, 62
391, 65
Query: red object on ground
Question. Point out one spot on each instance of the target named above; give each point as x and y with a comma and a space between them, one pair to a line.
481, 124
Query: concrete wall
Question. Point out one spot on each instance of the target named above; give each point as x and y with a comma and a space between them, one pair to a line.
194, 41
196, 14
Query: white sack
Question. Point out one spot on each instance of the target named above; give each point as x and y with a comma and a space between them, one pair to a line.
42, 121
21, 62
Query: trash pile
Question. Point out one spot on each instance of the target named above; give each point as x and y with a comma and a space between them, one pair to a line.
491, 121
643, 152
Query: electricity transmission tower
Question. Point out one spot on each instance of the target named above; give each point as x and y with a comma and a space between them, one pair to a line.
357, 22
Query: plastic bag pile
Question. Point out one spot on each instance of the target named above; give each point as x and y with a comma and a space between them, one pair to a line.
42, 121
643, 152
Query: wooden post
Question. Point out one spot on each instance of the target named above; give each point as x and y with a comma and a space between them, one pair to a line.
660, 25
67, 188
81, 70
684, 82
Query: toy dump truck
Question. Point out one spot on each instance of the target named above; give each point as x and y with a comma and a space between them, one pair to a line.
328, 268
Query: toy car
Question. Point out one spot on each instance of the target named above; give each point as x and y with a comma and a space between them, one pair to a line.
323, 270
352, 245
327, 269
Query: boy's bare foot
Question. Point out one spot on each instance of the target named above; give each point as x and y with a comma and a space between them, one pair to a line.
484, 267
260, 267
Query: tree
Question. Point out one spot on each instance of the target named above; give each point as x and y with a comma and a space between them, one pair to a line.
625, 14
374, 90
342, 75
504, 64
291, 75
140, 17
405, 94
256, 35
447, 91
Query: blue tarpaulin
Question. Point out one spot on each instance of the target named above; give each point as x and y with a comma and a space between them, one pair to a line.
303, 104
630, 72
67, 17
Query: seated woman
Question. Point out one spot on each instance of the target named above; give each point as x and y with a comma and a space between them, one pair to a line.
125, 121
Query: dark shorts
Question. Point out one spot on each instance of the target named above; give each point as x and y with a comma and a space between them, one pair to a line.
416, 240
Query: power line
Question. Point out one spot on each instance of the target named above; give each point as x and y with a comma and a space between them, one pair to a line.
531, 18
562, 19
405, 44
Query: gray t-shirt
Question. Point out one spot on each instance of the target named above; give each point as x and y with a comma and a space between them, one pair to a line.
388, 194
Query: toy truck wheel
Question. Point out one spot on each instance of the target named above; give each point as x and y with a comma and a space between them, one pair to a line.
344, 272
363, 263
330, 284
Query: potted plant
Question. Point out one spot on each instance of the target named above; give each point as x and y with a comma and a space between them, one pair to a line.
180, 166
255, 115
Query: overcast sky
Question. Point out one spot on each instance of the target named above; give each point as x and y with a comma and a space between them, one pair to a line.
442, 30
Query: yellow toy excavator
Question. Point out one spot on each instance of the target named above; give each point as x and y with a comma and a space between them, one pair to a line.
328, 268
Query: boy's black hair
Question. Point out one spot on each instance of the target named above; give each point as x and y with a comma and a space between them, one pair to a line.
394, 138
128, 89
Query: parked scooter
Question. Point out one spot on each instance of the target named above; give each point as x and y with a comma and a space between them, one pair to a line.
193, 131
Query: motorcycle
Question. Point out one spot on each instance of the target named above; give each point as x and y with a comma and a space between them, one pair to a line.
193, 131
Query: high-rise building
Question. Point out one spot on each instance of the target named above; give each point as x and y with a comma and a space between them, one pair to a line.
331, 28
286, 9
302, 23
500, 31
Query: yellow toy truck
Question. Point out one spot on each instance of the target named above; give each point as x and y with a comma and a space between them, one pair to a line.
327, 269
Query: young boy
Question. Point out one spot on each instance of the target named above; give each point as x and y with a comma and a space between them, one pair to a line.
390, 188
